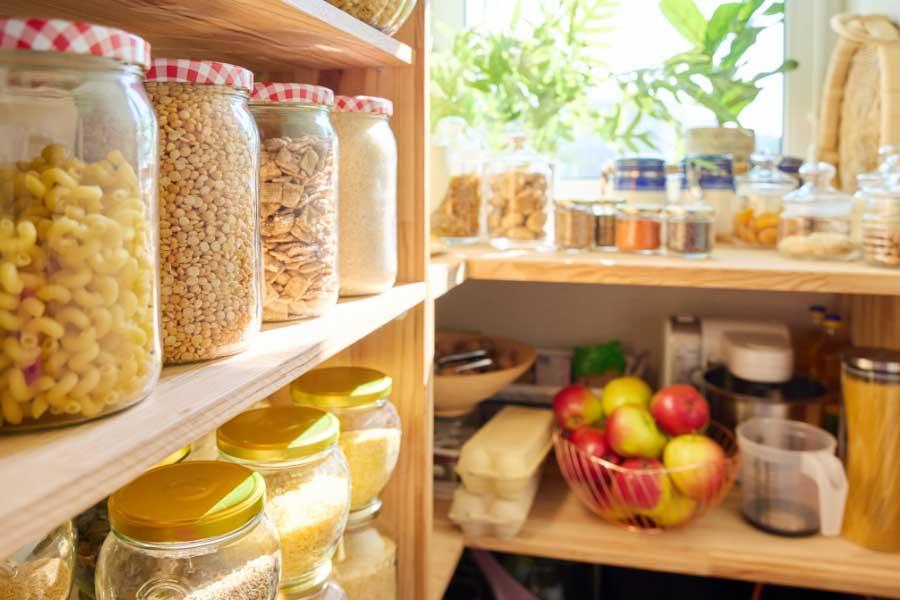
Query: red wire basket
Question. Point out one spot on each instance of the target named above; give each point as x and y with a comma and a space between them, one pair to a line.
651, 499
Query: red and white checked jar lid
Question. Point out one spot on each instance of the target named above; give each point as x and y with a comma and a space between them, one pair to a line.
364, 104
267, 91
73, 37
201, 72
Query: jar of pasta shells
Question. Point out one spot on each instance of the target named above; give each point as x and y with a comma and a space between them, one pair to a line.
297, 199
386, 15
78, 266
518, 192
210, 292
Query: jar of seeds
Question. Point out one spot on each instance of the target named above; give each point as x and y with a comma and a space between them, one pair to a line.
575, 225
690, 230
209, 210
605, 212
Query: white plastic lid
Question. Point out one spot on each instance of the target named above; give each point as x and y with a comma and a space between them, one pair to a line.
759, 357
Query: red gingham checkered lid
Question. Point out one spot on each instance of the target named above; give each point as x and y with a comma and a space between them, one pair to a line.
267, 91
72, 37
201, 72
366, 104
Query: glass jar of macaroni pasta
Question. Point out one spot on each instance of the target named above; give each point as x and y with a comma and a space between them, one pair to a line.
296, 451
78, 269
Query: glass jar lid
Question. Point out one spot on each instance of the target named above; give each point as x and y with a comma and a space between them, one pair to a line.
767, 177
877, 360
176, 457
341, 387
364, 104
817, 195
187, 502
641, 174
690, 211
579, 204
789, 165
200, 72
274, 92
708, 171
278, 433
650, 211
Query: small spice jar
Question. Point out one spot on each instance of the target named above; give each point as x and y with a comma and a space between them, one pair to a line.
367, 254
42, 570
605, 211
639, 228
298, 200
713, 176
641, 180
296, 451
690, 230
370, 424
455, 176
366, 566
576, 225
760, 195
210, 291
881, 226
193, 530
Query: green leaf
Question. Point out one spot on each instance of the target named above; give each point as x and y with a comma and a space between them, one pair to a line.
776, 9
742, 42
748, 9
686, 18
720, 25
788, 65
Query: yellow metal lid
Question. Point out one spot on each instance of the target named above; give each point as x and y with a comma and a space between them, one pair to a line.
341, 387
176, 457
187, 502
278, 433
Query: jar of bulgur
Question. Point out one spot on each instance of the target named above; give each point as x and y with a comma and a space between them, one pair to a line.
210, 288
41, 570
296, 451
370, 424
367, 564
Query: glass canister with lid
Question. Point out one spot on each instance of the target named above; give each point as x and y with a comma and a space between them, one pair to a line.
639, 228
296, 451
760, 195
367, 188
605, 211
881, 226
455, 176
690, 230
640, 180
575, 225
370, 424
815, 222
41, 570
366, 566
78, 256
712, 176
191, 531
298, 199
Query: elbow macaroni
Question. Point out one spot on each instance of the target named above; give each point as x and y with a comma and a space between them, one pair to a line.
77, 313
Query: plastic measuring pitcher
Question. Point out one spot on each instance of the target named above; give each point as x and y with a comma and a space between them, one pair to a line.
791, 482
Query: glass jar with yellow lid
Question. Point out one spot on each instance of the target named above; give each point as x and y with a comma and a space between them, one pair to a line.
370, 424
326, 591
191, 531
367, 563
296, 451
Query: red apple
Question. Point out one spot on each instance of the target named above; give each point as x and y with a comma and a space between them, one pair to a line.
642, 484
680, 409
697, 465
632, 432
593, 443
576, 406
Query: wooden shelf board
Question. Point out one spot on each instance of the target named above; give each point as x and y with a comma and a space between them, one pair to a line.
729, 268
54, 475
720, 544
263, 35
445, 272
446, 549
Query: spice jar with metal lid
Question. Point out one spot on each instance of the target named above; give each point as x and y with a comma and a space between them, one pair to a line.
605, 210
370, 424
298, 200
711, 177
41, 570
881, 226
690, 230
760, 193
640, 180
639, 228
210, 290
79, 335
296, 451
193, 530
576, 225
366, 565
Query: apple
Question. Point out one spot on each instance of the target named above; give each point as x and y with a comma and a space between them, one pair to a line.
697, 465
680, 409
575, 406
679, 509
642, 484
625, 391
632, 432
593, 442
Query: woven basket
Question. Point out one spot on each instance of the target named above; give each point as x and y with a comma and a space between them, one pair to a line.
861, 99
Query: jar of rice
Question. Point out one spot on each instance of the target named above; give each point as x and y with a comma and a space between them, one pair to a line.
367, 565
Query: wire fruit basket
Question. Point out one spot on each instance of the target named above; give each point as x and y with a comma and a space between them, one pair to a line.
652, 499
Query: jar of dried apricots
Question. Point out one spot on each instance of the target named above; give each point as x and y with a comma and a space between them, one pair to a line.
760, 194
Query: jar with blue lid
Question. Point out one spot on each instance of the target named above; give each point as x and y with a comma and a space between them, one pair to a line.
641, 180
710, 179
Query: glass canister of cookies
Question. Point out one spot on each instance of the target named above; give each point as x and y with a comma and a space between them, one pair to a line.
298, 199
517, 189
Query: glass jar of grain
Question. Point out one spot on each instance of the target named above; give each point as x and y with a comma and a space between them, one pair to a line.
575, 225
41, 570
366, 566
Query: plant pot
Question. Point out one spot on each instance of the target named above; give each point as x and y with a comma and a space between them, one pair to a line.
737, 142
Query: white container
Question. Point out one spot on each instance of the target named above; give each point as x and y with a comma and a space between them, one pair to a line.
479, 515
504, 457
759, 357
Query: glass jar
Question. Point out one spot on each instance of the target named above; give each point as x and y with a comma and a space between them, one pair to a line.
42, 570
575, 225
760, 195
455, 175
605, 212
641, 180
366, 566
370, 424
210, 291
329, 591
367, 255
881, 226
815, 222
385, 15
296, 451
191, 531
517, 186
690, 230
710, 178
298, 200
92, 527
871, 391
78, 261
790, 166
639, 228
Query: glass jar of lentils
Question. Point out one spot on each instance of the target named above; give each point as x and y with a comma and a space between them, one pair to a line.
690, 230
209, 210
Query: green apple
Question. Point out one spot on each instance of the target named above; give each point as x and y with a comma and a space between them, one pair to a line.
632, 433
698, 465
625, 390
679, 509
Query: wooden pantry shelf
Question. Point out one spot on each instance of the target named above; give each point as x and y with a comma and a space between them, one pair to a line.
264, 35
445, 272
54, 475
446, 549
720, 544
729, 268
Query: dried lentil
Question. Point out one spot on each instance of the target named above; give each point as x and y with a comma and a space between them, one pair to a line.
372, 455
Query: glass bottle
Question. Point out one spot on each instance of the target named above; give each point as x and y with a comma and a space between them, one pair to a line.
760, 194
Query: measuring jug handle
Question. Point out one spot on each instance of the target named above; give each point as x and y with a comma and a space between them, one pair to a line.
831, 480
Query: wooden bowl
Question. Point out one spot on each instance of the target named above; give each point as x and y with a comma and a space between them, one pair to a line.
457, 394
